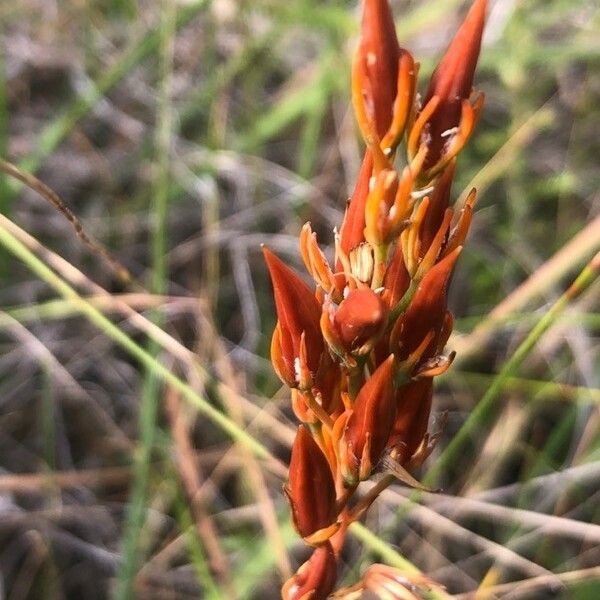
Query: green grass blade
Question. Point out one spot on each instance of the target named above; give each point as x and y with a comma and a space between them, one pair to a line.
152, 386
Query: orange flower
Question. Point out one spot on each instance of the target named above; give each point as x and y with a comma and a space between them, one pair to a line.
452, 80
315, 579
298, 314
379, 53
311, 490
368, 428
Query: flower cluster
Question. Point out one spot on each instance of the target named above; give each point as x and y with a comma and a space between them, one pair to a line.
360, 349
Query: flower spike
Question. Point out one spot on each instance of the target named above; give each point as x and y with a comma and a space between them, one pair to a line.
361, 347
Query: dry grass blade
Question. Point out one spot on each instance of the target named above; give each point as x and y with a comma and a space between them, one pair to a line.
545, 584
54, 200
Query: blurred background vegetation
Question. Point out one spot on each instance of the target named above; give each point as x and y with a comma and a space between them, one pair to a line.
184, 135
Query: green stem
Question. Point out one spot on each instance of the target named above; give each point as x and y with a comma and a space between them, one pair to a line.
403, 304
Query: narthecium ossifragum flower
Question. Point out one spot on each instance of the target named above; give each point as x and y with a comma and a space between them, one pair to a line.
360, 349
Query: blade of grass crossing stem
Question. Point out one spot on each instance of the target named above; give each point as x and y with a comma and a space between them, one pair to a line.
95, 316
485, 409
152, 385
20, 251
381, 547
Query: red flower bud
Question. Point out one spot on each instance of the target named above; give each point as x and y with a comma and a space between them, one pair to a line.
298, 314
368, 428
414, 407
452, 79
315, 579
426, 314
311, 490
379, 53
360, 319
353, 227
439, 201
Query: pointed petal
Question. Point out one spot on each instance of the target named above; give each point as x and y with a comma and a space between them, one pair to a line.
353, 226
452, 79
311, 489
298, 312
427, 310
380, 52
439, 201
414, 407
397, 279
373, 415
